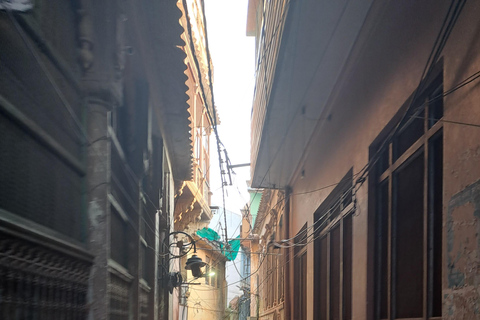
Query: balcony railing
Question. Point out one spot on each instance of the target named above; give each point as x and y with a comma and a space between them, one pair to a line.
39, 282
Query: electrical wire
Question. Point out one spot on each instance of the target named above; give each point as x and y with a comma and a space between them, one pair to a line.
81, 129
445, 31
444, 38
259, 60
460, 85
84, 135
213, 118
239, 281
438, 46
299, 237
261, 284
366, 169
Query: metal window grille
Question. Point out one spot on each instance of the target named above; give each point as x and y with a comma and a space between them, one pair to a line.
119, 302
36, 184
143, 304
40, 283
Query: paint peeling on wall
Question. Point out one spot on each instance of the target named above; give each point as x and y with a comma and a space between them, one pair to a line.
463, 243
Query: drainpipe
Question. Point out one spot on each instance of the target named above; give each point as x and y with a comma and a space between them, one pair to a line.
287, 305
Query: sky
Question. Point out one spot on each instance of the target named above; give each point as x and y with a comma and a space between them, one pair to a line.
233, 56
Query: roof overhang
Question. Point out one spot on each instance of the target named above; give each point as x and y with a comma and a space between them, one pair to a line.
159, 42
317, 41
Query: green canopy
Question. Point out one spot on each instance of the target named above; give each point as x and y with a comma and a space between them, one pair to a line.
233, 245
208, 234
231, 254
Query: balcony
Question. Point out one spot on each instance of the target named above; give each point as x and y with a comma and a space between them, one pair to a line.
192, 202
296, 75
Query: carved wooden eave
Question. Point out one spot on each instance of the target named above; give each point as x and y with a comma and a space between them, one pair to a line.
199, 51
175, 116
159, 42
151, 32
191, 209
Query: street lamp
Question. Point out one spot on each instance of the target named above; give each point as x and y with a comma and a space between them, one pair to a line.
211, 274
194, 263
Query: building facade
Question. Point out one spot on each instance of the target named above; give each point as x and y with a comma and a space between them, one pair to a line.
192, 202
192, 208
365, 137
95, 132
205, 297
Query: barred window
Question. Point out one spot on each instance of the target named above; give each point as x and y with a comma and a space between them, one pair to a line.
333, 253
300, 274
408, 213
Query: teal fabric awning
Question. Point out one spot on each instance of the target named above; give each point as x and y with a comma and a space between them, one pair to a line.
233, 245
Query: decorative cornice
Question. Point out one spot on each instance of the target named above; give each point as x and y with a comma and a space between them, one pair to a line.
85, 36
107, 93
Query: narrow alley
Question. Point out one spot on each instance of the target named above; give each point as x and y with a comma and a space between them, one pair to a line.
240, 159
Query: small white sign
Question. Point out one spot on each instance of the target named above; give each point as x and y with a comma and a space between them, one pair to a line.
16, 5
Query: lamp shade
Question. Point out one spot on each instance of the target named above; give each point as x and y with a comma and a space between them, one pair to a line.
195, 263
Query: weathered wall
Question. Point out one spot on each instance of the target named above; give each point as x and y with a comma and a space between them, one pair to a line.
206, 302
254, 265
461, 273
383, 70
270, 260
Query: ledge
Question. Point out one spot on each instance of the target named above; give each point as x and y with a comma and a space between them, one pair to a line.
20, 227
144, 285
116, 269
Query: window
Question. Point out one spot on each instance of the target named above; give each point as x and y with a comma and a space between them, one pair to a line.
408, 213
272, 270
300, 275
207, 270
333, 253
143, 259
198, 143
213, 278
211, 272
118, 238
267, 282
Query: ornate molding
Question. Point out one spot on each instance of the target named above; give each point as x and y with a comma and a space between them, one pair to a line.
85, 35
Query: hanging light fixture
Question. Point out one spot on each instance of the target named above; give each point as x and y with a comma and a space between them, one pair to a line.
194, 263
